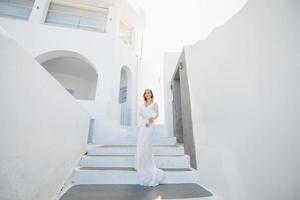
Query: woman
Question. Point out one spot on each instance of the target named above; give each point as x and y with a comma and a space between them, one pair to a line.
144, 163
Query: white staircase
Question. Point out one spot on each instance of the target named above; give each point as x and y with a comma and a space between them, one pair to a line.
113, 163
155, 141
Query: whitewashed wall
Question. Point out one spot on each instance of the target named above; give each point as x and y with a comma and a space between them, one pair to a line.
43, 129
244, 88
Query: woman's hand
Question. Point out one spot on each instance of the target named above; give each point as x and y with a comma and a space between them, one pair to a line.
151, 119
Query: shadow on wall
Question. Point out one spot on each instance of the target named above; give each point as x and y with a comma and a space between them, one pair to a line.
182, 119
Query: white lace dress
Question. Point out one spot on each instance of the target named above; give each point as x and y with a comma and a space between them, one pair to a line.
144, 162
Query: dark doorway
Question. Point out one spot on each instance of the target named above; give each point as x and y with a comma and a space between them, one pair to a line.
177, 114
182, 116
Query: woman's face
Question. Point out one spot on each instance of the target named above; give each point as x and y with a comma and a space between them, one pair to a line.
147, 94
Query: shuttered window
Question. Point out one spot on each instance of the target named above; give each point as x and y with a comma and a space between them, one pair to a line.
73, 17
123, 95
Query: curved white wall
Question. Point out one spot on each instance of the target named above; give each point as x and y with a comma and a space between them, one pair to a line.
245, 99
44, 130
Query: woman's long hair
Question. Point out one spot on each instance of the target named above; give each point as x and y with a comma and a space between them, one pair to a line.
152, 96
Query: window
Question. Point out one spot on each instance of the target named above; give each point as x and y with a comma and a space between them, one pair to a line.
126, 33
80, 18
20, 9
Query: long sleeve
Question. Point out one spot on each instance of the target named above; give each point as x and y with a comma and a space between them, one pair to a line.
143, 114
156, 114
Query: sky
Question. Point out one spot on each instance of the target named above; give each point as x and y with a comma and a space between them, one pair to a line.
173, 24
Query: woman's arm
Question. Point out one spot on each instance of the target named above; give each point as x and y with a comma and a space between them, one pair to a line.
156, 114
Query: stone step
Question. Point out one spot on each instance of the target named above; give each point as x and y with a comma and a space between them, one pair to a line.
155, 141
127, 161
172, 150
186, 191
88, 175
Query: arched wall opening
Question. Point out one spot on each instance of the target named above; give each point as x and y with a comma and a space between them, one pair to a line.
73, 71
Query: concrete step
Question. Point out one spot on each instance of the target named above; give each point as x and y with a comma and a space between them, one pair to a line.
172, 150
127, 161
90, 175
155, 141
185, 191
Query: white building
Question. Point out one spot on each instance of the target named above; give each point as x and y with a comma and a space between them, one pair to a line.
231, 101
63, 63
91, 47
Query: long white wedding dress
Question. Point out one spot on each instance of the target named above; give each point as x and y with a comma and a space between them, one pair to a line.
144, 162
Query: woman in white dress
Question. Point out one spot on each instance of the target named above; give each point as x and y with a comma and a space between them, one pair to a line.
144, 162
